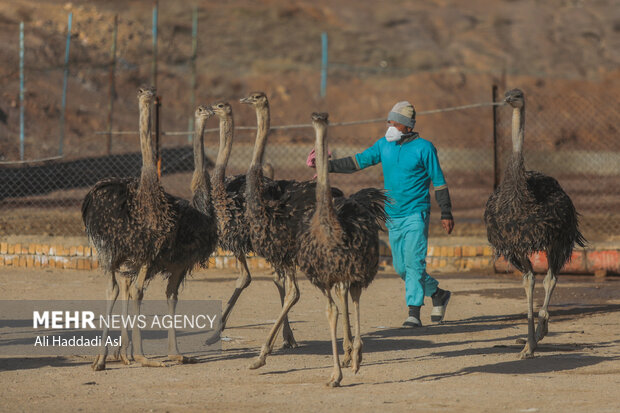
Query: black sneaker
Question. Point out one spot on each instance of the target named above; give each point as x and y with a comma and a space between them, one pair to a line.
412, 322
440, 303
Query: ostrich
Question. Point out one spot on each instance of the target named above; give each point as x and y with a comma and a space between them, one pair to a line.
196, 237
341, 244
530, 212
129, 221
275, 220
229, 204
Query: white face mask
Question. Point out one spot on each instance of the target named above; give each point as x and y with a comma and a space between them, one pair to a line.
393, 134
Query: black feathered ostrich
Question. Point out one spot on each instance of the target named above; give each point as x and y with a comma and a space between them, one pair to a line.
275, 219
340, 245
129, 221
530, 212
229, 203
196, 237
191, 243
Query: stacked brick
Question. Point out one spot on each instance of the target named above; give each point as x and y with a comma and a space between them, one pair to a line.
441, 258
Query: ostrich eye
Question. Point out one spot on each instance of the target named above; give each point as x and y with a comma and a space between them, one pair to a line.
220, 106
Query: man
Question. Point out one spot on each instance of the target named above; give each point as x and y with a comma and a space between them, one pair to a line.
409, 164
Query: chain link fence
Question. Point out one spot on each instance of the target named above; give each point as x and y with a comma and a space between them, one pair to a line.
572, 138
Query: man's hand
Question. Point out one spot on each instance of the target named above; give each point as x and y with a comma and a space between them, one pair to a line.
448, 225
311, 160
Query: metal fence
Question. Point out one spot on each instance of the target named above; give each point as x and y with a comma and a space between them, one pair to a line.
572, 138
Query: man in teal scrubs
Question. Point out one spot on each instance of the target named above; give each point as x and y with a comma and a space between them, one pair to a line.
409, 164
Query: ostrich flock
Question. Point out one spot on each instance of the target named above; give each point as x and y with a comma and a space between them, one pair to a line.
141, 232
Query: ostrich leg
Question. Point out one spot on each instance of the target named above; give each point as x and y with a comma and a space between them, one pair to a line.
138, 294
242, 282
528, 283
125, 285
342, 291
172, 293
292, 295
111, 295
287, 332
332, 317
543, 315
356, 292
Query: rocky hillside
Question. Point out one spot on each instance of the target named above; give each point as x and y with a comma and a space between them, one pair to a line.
441, 52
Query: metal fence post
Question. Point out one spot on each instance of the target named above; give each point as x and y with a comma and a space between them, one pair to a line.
112, 92
193, 63
496, 176
157, 149
154, 63
324, 65
64, 87
21, 91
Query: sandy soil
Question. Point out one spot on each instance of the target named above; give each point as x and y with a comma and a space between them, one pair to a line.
467, 364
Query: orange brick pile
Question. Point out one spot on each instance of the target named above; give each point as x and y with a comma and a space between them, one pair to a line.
440, 258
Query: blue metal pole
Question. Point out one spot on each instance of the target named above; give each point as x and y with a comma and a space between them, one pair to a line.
193, 62
324, 65
21, 91
154, 66
64, 87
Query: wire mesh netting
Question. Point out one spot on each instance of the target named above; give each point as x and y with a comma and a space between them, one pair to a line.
581, 151
573, 137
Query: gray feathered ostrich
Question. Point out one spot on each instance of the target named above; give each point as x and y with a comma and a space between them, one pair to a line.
229, 203
275, 219
341, 244
530, 212
129, 221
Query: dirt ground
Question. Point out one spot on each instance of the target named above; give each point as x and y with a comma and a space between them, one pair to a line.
467, 364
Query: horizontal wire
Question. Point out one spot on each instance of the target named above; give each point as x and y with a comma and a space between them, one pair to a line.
30, 160
309, 125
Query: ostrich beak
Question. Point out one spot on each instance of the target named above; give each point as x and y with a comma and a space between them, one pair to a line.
247, 100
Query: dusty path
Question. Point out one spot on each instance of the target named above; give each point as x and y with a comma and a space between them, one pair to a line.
467, 364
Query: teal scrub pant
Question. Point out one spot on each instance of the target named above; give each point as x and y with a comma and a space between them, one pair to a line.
409, 243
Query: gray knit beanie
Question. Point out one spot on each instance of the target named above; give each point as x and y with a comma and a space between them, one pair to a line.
404, 113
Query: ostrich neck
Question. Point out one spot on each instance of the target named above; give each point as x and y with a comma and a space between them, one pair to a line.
262, 122
324, 202
148, 175
201, 190
223, 153
518, 124
516, 169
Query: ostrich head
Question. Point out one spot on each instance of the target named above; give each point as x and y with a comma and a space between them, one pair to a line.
203, 112
257, 99
222, 109
515, 98
320, 118
146, 92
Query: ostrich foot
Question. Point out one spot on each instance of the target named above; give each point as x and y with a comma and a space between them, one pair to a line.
99, 363
288, 344
334, 380
181, 359
259, 362
145, 362
125, 360
526, 353
213, 339
120, 354
289, 341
